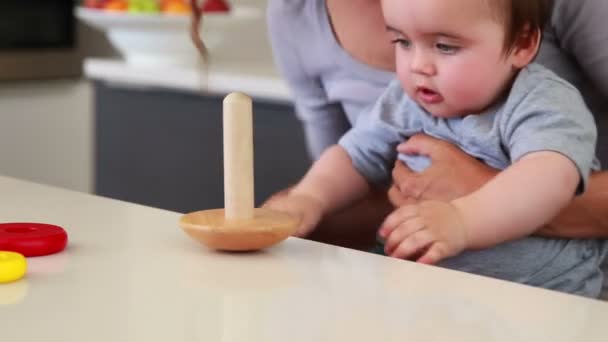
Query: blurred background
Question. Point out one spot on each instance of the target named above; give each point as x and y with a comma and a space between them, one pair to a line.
110, 101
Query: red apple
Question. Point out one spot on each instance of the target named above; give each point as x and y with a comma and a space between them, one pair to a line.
95, 3
215, 6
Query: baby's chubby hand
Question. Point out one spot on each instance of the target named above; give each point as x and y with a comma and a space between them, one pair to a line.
307, 208
428, 231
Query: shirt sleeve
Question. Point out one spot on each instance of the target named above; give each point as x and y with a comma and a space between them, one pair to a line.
582, 31
553, 117
324, 121
372, 142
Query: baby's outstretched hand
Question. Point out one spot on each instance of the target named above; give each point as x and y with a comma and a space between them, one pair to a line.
308, 209
427, 232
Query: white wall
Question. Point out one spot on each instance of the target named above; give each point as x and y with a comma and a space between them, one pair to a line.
46, 126
46, 132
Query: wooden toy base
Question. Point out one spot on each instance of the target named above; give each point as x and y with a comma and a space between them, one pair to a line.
266, 228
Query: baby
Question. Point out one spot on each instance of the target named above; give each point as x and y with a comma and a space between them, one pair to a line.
465, 75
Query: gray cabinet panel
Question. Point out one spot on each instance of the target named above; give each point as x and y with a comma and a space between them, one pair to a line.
164, 148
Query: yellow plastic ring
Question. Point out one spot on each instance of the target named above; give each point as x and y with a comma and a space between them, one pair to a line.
12, 266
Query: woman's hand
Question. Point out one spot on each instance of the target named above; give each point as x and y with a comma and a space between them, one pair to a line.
452, 173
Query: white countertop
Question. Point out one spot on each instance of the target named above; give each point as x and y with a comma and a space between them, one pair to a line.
130, 274
259, 80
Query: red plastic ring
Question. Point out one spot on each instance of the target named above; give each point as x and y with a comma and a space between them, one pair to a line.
32, 239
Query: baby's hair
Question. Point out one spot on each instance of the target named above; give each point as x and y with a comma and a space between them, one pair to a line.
521, 18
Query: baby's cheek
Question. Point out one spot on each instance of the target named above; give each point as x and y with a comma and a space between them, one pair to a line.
405, 81
468, 93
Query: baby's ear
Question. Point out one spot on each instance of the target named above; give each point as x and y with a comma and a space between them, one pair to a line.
526, 48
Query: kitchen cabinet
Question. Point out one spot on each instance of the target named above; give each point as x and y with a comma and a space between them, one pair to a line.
163, 148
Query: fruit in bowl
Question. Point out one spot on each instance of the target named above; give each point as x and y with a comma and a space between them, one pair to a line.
99, 4
164, 38
215, 6
143, 6
175, 7
156, 6
115, 5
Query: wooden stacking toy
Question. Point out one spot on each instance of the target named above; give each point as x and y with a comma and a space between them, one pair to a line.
239, 226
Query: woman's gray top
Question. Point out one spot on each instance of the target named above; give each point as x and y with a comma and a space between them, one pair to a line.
331, 88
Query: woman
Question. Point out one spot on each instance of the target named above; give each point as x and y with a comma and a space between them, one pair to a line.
337, 58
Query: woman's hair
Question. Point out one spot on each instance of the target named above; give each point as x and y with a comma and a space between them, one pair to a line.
197, 19
521, 18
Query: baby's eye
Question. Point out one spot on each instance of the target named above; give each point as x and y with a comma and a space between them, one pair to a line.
404, 43
447, 49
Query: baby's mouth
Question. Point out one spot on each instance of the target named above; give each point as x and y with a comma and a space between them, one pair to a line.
428, 96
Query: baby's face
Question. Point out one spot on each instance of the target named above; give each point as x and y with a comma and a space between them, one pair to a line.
449, 53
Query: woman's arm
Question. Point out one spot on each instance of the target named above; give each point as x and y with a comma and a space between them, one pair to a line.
580, 28
454, 174
586, 216
290, 36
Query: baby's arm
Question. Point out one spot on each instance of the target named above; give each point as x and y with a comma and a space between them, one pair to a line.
333, 181
580, 30
331, 184
518, 200
550, 137
364, 154
510, 206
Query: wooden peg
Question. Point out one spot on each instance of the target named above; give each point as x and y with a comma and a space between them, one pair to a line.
239, 226
238, 157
